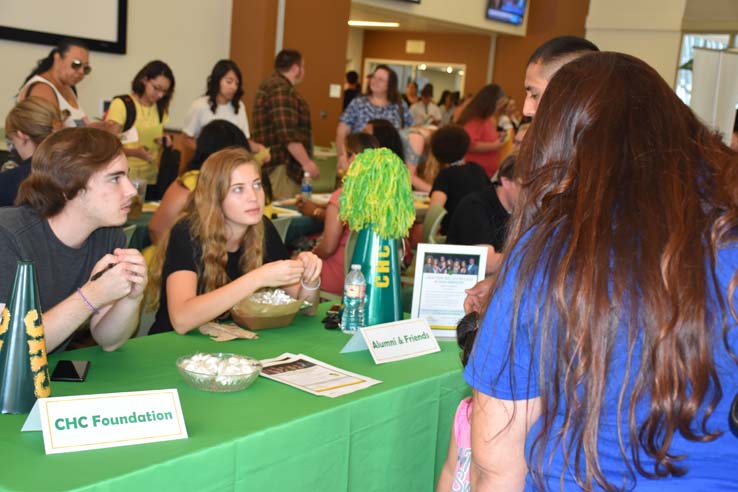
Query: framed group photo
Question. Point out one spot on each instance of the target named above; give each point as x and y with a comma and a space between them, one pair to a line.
443, 272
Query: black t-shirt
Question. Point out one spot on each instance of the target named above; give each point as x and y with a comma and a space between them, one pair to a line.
348, 96
457, 182
479, 218
60, 269
185, 253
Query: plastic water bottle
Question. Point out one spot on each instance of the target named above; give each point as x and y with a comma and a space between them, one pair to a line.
354, 293
307, 186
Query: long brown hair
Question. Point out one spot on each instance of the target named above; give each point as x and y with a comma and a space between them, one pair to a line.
626, 200
204, 210
483, 105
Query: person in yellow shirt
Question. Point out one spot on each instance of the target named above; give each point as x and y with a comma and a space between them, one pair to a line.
142, 132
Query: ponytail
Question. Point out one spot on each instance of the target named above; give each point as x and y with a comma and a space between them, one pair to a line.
45, 64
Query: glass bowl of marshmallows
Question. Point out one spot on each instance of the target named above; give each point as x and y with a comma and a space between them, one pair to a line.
219, 372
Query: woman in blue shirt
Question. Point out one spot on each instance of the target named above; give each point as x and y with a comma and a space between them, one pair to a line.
382, 101
605, 358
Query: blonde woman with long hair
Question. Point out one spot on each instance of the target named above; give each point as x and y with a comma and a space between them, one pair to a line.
222, 249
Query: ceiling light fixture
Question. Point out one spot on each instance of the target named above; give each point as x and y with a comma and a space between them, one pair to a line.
449, 70
356, 23
422, 66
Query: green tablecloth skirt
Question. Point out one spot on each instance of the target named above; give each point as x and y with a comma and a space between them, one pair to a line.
271, 437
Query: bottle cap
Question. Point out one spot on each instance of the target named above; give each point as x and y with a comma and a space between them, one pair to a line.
356, 267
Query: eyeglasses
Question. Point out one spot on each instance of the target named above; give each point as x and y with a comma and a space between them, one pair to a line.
77, 64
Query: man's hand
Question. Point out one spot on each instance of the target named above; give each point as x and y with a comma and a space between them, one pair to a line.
477, 296
135, 270
311, 168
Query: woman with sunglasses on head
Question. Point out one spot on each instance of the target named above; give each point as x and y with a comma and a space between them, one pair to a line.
55, 79
222, 101
151, 92
223, 249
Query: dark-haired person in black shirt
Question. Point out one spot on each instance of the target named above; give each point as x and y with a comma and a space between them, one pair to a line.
458, 178
481, 217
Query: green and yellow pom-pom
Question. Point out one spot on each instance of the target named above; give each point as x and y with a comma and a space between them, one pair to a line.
377, 193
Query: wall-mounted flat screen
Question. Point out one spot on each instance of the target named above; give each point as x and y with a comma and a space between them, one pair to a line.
100, 23
509, 11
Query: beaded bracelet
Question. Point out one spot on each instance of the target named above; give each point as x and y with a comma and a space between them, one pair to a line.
302, 282
87, 301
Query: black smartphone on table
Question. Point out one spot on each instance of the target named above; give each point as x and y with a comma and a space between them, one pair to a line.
70, 370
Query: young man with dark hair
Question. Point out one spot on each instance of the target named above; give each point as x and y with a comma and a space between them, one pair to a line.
351, 88
545, 61
66, 222
543, 64
282, 123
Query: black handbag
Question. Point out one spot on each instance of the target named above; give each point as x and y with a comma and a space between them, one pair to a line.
168, 172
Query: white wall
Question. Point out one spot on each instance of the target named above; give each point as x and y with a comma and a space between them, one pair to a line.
648, 29
355, 50
189, 35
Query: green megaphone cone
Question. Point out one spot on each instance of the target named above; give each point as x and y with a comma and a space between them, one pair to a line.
380, 266
377, 202
23, 364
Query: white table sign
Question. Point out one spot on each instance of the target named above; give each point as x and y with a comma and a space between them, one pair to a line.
78, 423
399, 340
443, 272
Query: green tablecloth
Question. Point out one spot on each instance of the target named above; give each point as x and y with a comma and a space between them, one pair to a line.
392, 436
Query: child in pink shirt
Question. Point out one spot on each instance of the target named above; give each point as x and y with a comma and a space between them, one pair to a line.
455, 472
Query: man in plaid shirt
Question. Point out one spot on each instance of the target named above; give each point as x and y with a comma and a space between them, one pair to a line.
282, 123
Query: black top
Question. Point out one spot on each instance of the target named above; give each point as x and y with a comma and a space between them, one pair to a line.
10, 181
479, 218
185, 253
457, 182
60, 269
348, 96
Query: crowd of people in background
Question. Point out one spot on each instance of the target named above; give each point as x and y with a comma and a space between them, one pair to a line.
600, 348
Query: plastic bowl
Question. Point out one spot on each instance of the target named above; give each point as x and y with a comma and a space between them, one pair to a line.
220, 379
256, 323
262, 316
